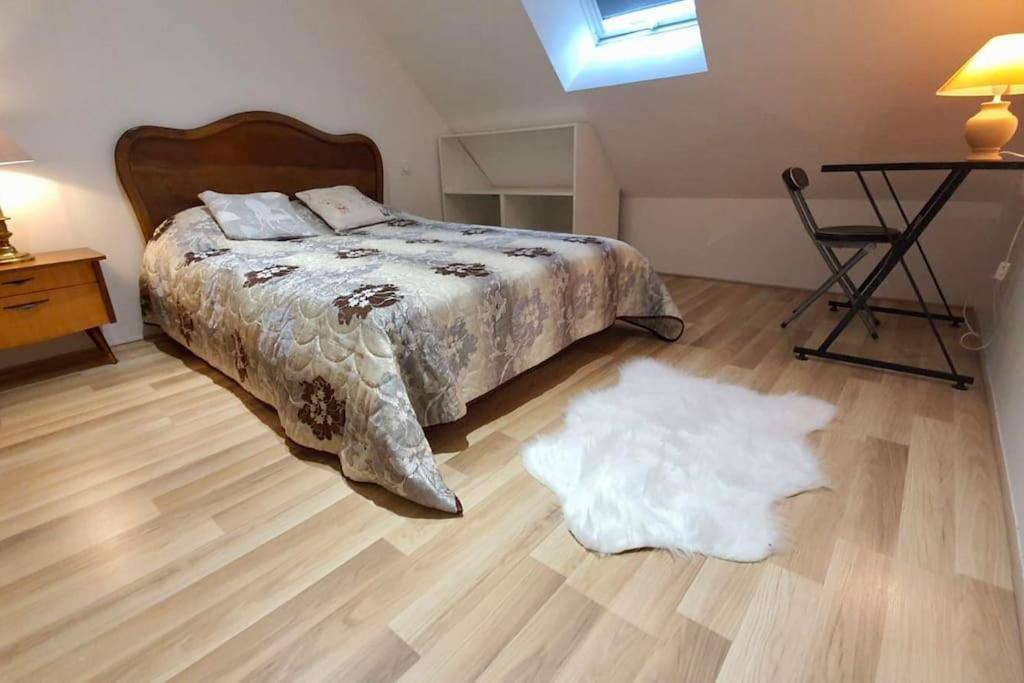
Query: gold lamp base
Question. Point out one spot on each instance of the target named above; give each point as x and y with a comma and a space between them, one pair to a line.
12, 255
8, 253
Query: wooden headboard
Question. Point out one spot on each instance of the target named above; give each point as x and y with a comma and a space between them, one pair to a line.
162, 170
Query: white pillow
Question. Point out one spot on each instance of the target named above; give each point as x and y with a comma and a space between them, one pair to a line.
314, 221
344, 207
257, 216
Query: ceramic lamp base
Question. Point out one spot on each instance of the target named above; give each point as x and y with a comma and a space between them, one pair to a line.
984, 156
990, 130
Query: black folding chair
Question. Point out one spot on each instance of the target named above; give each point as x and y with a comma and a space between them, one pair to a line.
863, 238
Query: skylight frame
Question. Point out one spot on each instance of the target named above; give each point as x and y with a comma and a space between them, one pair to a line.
602, 34
583, 63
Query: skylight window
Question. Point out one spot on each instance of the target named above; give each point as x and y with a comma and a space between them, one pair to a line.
601, 43
617, 18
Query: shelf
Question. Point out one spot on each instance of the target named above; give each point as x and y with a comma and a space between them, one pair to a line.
473, 209
517, 191
537, 212
509, 131
549, 178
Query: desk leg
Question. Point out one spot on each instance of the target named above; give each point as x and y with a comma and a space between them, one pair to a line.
96, 335
956, 320
893, 258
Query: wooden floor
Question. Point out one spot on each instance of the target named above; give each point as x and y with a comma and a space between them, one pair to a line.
154, 524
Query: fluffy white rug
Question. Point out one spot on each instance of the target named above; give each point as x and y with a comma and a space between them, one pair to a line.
667, 460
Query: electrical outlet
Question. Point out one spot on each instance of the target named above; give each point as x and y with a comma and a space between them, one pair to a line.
1002, 271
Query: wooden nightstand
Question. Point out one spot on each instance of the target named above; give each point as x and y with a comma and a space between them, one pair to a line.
57, 294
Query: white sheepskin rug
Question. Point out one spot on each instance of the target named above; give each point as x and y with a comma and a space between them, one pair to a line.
666, 460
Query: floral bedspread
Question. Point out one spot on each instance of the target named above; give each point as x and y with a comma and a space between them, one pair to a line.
360, 340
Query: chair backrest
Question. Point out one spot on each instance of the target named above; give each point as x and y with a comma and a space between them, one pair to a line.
795, 179
796, 182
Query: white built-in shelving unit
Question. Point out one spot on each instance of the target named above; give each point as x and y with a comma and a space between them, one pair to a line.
553, 178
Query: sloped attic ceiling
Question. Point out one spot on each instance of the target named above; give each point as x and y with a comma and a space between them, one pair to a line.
798, 82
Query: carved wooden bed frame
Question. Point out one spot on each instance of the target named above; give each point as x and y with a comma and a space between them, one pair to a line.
163, 170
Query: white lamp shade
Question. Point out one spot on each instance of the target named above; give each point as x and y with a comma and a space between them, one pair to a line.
10, 152
996, 69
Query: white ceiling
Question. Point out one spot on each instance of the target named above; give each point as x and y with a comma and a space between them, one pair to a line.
800, 82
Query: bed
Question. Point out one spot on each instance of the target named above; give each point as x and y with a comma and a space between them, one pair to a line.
361, 339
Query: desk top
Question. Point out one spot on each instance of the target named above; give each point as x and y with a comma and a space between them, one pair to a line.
1016, 164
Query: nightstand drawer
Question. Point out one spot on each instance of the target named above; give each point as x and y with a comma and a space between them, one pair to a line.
43, 278
38, 316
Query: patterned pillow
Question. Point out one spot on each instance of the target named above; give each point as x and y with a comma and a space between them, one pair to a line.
258, 216
314, 221
344, 207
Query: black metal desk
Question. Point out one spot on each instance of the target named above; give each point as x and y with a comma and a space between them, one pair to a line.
957, 172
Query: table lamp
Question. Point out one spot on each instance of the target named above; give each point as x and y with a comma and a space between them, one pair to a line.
997, 69
10, 153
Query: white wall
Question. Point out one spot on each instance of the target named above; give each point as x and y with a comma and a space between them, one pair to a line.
1005, 365
801, 82
699, 157
763, 241
74, 75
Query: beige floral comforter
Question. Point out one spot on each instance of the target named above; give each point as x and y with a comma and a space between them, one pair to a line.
360, 340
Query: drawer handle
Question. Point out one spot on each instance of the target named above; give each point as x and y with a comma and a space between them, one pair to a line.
27, 306
15, 283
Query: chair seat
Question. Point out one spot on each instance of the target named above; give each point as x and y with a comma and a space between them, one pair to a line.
856, 234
